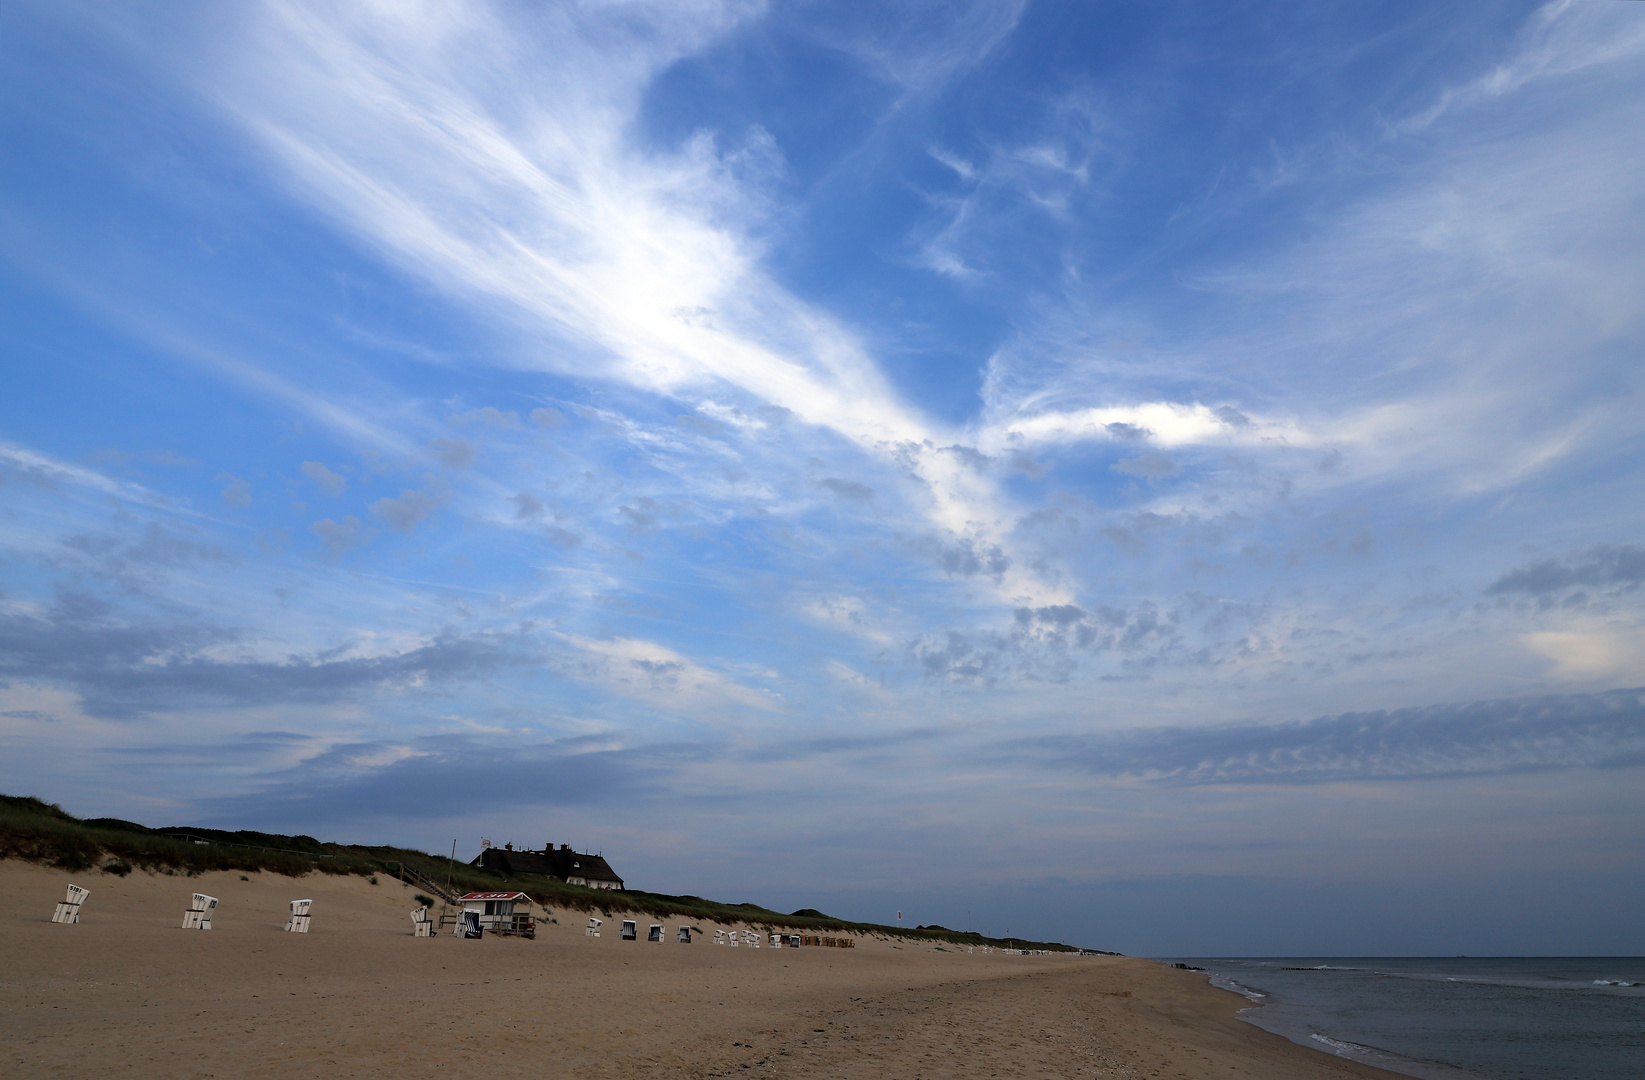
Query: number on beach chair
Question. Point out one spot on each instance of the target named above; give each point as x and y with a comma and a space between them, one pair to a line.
68, 908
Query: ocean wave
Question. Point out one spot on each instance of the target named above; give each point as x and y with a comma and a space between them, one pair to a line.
1343, 1046
1223, 982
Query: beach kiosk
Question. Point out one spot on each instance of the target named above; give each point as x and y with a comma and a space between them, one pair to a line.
499, 912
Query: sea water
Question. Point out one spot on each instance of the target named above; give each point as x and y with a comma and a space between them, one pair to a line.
1498, 1018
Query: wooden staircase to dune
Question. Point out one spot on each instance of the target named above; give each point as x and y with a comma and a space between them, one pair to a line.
412, 876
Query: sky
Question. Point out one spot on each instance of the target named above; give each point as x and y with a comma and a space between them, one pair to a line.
1167, 477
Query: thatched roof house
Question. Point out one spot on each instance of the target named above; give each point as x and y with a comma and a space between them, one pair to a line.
572, 867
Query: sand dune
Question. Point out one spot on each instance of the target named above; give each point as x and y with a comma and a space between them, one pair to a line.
129, 993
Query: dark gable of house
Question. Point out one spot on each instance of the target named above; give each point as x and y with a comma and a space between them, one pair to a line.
565, 864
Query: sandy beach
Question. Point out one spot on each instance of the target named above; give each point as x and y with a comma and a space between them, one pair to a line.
127, 992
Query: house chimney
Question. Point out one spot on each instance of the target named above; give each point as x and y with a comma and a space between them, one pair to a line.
565, 847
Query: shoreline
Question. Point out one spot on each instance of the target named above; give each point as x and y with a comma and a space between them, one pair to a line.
128, 989
1449, 1017
1261, 1013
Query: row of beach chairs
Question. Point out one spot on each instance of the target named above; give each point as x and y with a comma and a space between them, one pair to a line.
201, 908
629, 931
197, 917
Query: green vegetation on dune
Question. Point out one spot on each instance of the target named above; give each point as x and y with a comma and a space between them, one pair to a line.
43, 832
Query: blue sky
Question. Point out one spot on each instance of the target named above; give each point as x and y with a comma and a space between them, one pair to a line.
1166, 477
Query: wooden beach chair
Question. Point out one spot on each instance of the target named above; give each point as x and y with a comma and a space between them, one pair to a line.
593, 927
776, 941
751, 939
683, 935
68, 908
719, 937
629, 932
298, 922
655, 933
421, 924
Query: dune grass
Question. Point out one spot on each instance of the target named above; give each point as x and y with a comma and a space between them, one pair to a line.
43, 832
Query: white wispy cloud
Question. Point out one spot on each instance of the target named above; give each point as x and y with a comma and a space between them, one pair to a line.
43, 468
641, 258
663, 677
1563, 37
1442, 328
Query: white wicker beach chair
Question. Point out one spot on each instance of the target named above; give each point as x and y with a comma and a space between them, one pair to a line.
593, 927
68, 908
298, 922
655, 933
682, 935
198, 915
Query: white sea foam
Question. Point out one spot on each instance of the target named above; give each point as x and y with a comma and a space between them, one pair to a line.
1342, 1046
1225, 983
